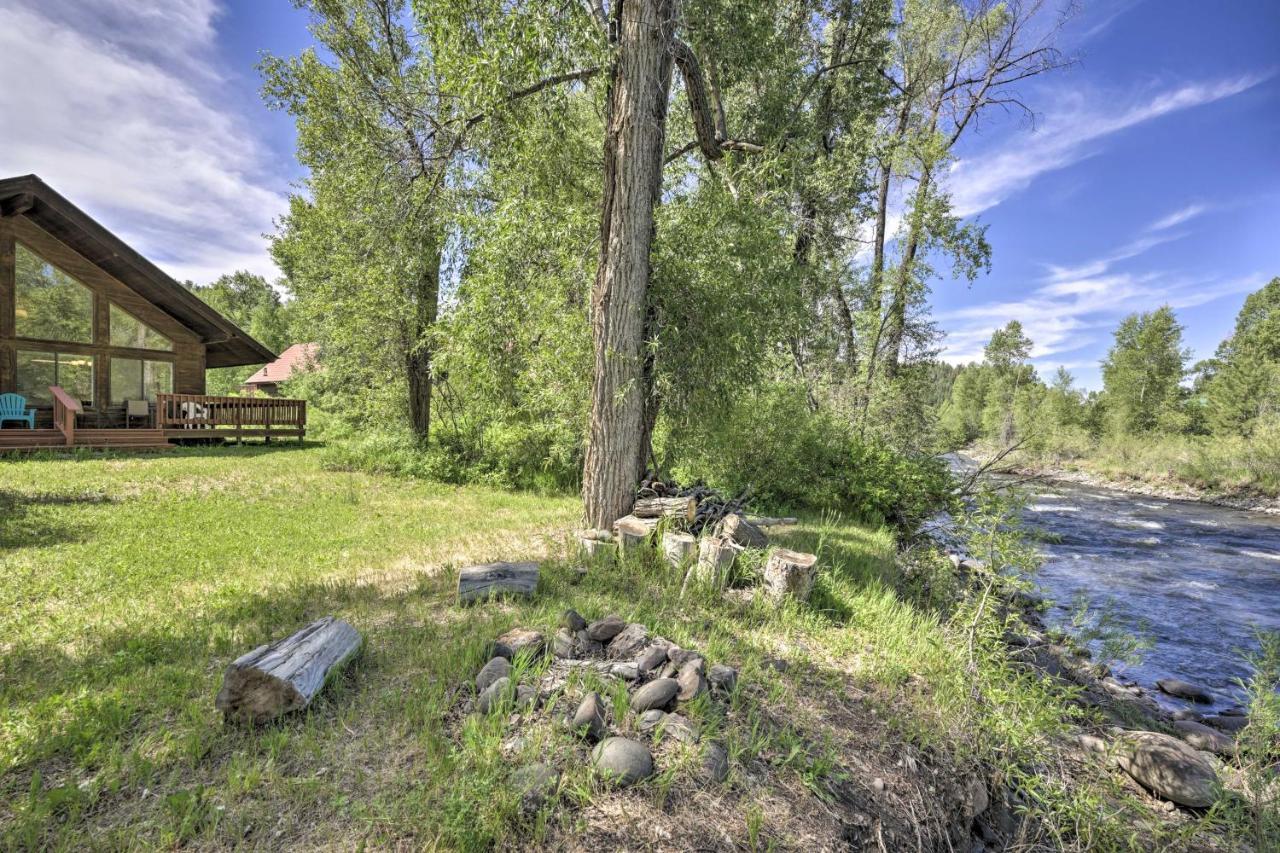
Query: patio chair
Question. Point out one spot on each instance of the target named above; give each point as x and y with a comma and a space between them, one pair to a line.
135, 409
13, 407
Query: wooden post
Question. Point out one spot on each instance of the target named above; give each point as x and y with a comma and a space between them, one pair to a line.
284, 676
789, 573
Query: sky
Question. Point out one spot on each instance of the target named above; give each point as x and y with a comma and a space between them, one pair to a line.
1149, 173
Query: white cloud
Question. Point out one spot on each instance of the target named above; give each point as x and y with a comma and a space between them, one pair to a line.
1067, 135
114, 104
1178, 217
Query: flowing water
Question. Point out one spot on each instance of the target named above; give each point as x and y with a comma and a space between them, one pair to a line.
1199, 578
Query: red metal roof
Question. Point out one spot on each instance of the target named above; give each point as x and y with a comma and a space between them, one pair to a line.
296, 358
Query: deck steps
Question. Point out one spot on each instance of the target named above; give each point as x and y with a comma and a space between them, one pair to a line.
93, 439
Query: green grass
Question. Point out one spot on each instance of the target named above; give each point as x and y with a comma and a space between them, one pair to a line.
127, 585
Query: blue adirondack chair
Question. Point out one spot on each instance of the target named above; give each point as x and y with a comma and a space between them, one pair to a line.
13, 407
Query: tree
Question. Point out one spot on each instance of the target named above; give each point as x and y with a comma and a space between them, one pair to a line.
255, 306
1244, 376
1143, 371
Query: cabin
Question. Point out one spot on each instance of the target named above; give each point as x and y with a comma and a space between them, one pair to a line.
106, 348
298, 358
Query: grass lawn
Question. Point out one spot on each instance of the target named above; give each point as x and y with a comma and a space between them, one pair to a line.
128, 584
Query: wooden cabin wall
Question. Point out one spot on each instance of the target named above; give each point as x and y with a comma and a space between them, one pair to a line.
188, 355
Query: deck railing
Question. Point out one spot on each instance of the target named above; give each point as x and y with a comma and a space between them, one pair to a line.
65, 409
240, 416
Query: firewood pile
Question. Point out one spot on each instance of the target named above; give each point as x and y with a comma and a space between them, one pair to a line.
711, 507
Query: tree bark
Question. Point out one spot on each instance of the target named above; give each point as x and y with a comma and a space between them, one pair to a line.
496, 579
789, 573
639, 85
680, 508
424, 295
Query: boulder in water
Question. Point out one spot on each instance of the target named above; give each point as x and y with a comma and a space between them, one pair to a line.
1185, 690
1201, 736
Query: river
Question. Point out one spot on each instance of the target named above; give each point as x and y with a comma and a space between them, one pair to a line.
1201, 578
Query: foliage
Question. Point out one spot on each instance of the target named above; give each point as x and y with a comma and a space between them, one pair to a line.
1142, 373
257, 308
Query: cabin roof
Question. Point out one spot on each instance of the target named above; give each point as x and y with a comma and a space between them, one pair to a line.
226, 345
297, 357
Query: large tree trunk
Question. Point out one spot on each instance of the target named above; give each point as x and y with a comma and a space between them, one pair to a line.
639, 84
424, 296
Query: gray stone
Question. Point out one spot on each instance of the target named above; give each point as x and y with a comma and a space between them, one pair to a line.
1201, 736
658, 693
650, 659
628, 641
976, 798
678, 727
494, 694
535, 783
1188, 714
588, 647
723, 678
1227, 723
714, 767
1168, 767
527, 698
497, 668
522, 640
622, 761
680, 657
625, 671
589, 719
1234, 711
604, 630
563, 645
573, 621
691, 681
1185, 690
650, 720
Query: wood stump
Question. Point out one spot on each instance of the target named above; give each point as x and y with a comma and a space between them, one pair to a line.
284, 676
679, 549
496, 579
715, 556
633, 534
789, 573
683, 509
738, 530
597, 549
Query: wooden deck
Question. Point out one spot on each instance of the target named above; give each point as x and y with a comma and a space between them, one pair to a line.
177, 418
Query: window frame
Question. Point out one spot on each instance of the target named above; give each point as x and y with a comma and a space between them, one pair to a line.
57, 379
142, 386
20, 246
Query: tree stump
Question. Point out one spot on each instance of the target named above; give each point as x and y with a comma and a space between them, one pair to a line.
742, 532
683, 509
679, 549
715, 556
597, 549
789, 573
633, 534
478, 582
284, 676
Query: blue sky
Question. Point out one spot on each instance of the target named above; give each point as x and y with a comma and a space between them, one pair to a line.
1150, 174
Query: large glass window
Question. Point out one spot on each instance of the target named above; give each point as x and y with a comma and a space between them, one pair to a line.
139, 379
51, 305
38, 370
128, 331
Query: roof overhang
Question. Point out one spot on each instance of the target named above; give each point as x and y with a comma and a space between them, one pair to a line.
226, 345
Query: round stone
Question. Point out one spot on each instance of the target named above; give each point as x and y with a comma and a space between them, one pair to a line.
563, 645
493, 695
622, 761
1185, 690
535, 783
723, 678
651, 658
678, 727
604, 630
628, 641
650, 720
692, 684
715, 763
656, 694
588, 721
522, 640
573, 620
497, 668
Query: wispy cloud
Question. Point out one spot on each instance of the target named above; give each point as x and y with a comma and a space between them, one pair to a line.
1068, 134
115, 105
1178, 217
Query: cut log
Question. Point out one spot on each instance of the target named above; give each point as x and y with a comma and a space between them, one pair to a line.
772, 521
683, 509
284, 676
649, 524
789, 573
597, 549
738, 530
679, 549
633, 534
715, 556
496, 579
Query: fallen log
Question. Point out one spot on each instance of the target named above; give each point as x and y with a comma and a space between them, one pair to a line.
684, 509
679, 549
789, 573
738, 530
495, 579
285, 675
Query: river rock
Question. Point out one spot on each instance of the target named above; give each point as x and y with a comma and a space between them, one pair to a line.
1169, 767
622, 761
650, 659
563, 645
723, 678
1185, 690
535, 783
650, 720
527, 698
680, 657
491, 672
678, 727
589, 719
1188, 714
658, 693
1201, 736
493, 695
976, 798
691, 681
628, 642
522, 640
626, 671
573, 621
604, 630
714, 767
1234, 711
588, 647
1226, 723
